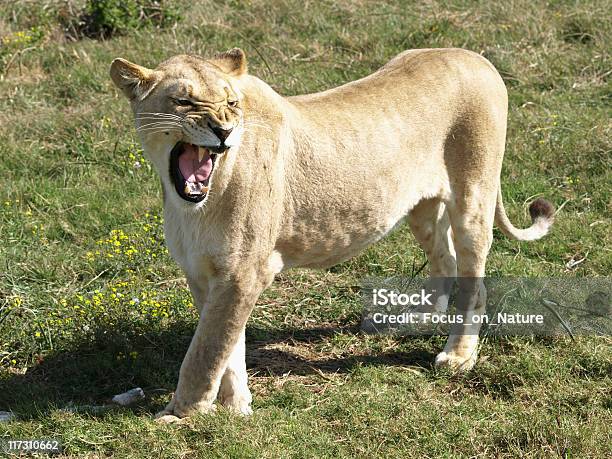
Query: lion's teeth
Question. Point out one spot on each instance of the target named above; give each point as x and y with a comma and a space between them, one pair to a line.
195, 188
201, 152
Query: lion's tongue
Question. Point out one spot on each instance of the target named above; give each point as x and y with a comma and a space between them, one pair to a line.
191, 167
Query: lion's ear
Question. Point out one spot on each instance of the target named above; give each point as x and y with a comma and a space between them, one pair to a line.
135, 81
232, 62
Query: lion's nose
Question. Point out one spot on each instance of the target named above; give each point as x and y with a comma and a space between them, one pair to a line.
221, 133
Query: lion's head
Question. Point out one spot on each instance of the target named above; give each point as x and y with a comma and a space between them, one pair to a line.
188, 112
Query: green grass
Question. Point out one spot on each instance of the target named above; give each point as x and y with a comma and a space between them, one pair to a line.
92, 305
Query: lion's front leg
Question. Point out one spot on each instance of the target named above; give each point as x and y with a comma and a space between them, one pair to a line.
221, 326
234, 391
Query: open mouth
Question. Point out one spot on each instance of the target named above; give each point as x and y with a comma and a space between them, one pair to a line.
191, 167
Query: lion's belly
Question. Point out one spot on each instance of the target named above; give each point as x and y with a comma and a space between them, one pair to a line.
334, 235
333, 248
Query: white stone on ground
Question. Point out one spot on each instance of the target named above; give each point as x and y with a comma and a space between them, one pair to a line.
129, 397
6, 416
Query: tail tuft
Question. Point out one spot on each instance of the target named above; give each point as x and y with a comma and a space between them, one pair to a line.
541, 208
542, 215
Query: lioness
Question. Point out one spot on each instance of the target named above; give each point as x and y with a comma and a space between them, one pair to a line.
255, 183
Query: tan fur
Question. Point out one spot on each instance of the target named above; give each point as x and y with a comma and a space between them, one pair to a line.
312, 180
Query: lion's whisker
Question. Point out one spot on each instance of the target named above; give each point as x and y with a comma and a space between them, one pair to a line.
153, 130
159, 129
153, 125
159, 117
159, 123
169, 115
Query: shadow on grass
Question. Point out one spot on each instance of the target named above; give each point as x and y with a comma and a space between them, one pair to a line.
115, 360
277, 362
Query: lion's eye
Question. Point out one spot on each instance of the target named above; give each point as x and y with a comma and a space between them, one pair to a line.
183, 102
232, 103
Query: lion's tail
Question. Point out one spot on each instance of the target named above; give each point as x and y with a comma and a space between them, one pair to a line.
542, 216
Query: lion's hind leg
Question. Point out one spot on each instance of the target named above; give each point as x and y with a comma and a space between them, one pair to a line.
471, 216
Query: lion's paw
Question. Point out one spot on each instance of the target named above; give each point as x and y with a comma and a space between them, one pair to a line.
238, 405
170, 415
455, 362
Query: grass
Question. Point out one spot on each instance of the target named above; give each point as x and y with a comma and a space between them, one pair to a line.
91, 304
